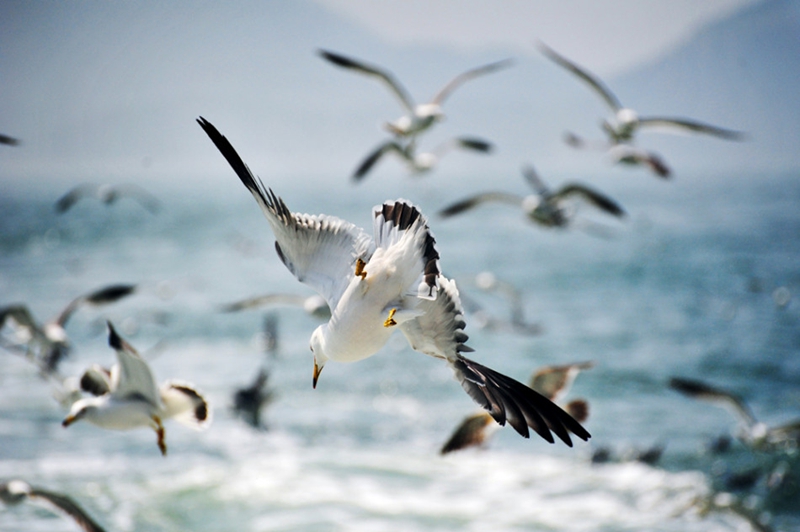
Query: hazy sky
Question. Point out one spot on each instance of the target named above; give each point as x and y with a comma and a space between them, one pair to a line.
610, 35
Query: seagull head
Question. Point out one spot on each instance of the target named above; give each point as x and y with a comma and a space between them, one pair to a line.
317, 343
627, 122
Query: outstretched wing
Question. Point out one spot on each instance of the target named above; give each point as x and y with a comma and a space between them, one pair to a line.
705, 392
474, 201
370, 70
102, 296
554, 381
468, 75
74, 195
601, 201
68, 506
585, 75
439, 332
131, 376
370, 160
320, 250
691, 125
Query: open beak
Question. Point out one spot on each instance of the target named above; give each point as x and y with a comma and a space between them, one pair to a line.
317, 371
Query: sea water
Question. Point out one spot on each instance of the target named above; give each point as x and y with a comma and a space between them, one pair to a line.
701, 281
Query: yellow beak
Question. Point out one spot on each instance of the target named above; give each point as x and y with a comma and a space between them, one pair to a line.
67, 421
317, 371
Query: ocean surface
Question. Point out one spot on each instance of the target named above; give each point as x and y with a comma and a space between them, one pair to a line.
702, 280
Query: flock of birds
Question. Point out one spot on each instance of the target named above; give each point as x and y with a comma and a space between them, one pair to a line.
368, 286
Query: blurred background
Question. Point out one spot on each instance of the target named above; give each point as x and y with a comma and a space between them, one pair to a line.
699, 279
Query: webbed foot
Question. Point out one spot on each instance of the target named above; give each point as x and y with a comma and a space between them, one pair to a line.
162, 445
360, 272
390, 320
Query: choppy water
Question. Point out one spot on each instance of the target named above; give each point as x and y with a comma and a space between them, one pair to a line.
685, 287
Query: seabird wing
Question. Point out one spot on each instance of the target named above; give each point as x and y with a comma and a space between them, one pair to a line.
264, 300
102, 296
22, 318
370, 70
704, 392
185, 404
320, 250
471, 432
468, 75
439, 332
463, 143
96, 380
370, 160
601, 201
474, 201
132, 376
628, 153
552, 381
74, 195
533, 179
691, 125
9, 141
585, 75
134, 191
68, 506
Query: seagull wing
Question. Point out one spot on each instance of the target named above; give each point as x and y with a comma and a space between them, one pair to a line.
585, 75
601, 201
704, 392
74, 195
22, 317
552, 381
474, 201
463, 143
439, 332
96, 380
471, 432
370, 160
102, 296
134, 191
261, 301
68, 506
383, 75
132, 376
468, 75
533, 179
8, 141
320, 250
628, 153
691, 125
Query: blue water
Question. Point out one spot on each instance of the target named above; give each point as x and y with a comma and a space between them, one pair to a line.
683, 287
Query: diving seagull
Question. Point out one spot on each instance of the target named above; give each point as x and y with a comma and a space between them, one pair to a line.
127, 397
47, 344
418, 118
553, 382
419, 162
16, 491
546, 208
393, 281
626, 121
751, 432
108, 194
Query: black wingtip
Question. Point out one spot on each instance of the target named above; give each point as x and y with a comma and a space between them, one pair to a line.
114, 339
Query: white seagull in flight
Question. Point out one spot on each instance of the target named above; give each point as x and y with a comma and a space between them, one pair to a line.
128, 396
418, 118
627, 121
374, 286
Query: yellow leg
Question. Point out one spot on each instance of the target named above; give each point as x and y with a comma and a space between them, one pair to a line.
160, 433
390, 320
360, 268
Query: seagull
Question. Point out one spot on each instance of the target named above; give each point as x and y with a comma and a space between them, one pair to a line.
626, 121
418, 118
314, 305
248, 401
552, 382
15, 491
751, 432
419, 163
393, 281
51, 337
489, 282
545, 208
107, 194
624, 153
131, 398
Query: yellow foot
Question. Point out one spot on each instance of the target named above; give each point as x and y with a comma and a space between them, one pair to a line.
390, 320
360, 268
162, 445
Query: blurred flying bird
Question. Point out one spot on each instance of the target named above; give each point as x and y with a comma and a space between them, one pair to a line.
626, 121
418, 118
624, 153
374, 286
490, 283
47, 344
750, 431
315, 305
108, 194
546, 208
249, 401
130, 398
9, 141
419, 163
16, 491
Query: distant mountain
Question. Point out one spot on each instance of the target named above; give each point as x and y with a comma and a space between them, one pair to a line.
742, 72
